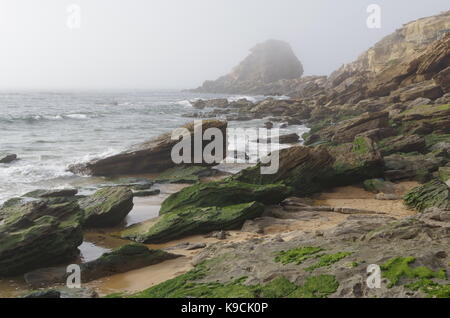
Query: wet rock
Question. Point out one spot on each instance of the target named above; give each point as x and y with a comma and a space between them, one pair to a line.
197, 246
194, 220
64, 293
107, 207
283, 139
146, 193
38, 234
185, 174
51, 193
310, 170
379, 186
268, 125
201, 104
120, 260
7, 158
148, 157
223, 193
51, 293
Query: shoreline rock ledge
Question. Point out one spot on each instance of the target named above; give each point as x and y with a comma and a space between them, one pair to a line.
150, 156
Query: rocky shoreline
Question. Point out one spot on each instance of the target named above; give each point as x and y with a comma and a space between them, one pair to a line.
375, 128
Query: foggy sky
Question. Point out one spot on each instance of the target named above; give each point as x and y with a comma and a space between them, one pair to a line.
154, 44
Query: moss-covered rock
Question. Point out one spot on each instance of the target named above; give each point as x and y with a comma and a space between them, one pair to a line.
379, 186
444, 173
107, 207
309, 170
38, 234
299, 167
185, 174
400, 268
51, 193
223, 193
123, 259
432, 194
425, 119
354, 162
120, 260
194, 220
188, 285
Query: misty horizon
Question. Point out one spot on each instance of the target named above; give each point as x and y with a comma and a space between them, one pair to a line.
151, 45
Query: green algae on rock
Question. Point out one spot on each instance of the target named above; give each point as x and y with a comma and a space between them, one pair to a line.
432, 194
107, 207
223, 193
194, 220
398, 268
123, 259
38, 234
327, 260
185, 174
297, 255
188, 285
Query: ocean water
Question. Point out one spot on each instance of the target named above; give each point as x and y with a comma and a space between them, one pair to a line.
51, 130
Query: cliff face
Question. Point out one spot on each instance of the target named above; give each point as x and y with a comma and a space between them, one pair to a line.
385, 69
268, 62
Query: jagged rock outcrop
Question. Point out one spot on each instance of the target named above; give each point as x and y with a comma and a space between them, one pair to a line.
267, 63
151, 156
37, 234
7, 158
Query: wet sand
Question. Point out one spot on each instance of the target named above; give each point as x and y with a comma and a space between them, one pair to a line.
357, 198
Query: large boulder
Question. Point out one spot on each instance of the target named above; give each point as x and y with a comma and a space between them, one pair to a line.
107, 207
412, 166
223, 193
309, 170
148, 157
7, 158
347, 130
402, 144
267, 63
194, 220
120, 260
434, 194
298, 167
424, 120
37, 234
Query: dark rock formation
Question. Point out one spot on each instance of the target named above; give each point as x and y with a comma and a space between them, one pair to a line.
123, 259
7, 158
107, 207
37, 234
268, 62
151, 156
194, 220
